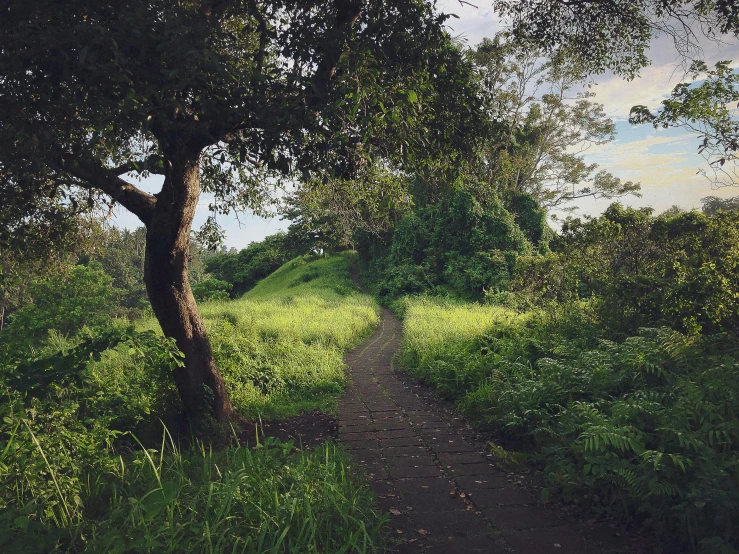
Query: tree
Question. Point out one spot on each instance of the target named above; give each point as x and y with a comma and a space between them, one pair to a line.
212, 95
41, 253
615, 34
713, 204
544, 127
706, 109
333, 210
66, 301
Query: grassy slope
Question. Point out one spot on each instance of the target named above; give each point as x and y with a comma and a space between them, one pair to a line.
280, 347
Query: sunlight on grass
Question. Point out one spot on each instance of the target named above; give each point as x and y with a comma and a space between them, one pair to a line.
434, 327
280, 347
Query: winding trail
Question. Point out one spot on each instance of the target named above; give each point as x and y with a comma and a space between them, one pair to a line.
443, 493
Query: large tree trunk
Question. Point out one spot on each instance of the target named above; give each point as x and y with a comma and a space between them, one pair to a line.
165, 272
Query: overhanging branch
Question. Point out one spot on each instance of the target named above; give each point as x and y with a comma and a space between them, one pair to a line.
152, 164
92, 175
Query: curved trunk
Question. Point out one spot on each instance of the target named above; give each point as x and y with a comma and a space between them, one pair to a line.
165, 272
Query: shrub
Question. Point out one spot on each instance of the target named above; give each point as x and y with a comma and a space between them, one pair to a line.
211, 289
66, 302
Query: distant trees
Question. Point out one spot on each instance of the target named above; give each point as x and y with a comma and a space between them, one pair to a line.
713, 204
544, 126
241, 270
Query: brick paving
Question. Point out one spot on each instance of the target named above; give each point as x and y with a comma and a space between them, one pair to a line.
443, 494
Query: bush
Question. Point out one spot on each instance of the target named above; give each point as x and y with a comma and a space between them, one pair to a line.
244, 269
66, 302
458, 245
675, 270
211, 289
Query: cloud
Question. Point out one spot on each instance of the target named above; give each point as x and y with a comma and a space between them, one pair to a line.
655, 161
666, 165
655, 82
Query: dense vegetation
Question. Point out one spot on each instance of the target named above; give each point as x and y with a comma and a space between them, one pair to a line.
458, 246
86, 465
605, 352
240, 271
613, 362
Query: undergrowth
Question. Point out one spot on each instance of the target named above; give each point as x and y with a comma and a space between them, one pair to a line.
644, 428
81, 466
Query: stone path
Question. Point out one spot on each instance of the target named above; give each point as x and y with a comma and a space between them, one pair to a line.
443, 494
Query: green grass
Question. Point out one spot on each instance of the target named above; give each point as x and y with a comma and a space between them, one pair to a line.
432, 325
73, 477
280, 347
440, 335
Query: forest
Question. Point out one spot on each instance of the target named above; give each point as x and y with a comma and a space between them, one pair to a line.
163, 393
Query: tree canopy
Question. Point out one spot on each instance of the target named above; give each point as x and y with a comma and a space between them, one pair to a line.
219, 96
615, 34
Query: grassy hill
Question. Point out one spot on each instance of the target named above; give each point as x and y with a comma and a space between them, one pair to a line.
280, 346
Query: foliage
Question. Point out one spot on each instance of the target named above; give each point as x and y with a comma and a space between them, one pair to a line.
80, 469
211, 289
643, 427
458, 244
712, 204
271, 499
280, 347
244, 269
334, 210
29, 257
244, 82
65, 302
121, 255
264, 500
674, 270
62, 411
220, 97
708, 110
616, 34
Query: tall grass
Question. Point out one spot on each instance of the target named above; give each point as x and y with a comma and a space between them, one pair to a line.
73, 478
440, 336
280, 347
266, 500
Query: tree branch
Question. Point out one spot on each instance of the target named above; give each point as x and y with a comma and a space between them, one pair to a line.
347, 13
92, 175
150, 164
263, 29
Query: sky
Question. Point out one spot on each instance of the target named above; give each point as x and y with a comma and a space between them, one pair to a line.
665, 162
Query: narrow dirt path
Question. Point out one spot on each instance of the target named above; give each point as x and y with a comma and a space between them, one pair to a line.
443, 494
